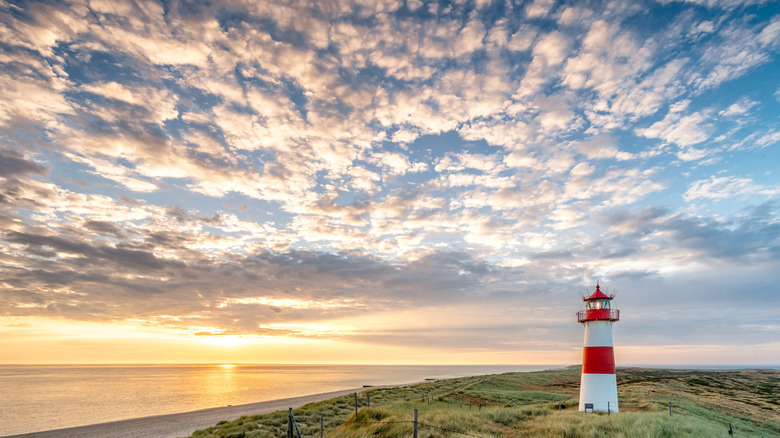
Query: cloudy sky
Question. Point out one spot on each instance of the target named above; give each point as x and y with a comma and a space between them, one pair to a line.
388, 182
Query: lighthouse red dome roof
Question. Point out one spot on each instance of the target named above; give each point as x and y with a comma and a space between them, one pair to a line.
598, 295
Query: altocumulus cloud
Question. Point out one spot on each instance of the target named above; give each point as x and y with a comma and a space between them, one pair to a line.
453, 163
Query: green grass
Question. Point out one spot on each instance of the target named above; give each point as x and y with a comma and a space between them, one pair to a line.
527, 404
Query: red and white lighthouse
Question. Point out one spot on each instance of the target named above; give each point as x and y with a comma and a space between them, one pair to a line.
598, 387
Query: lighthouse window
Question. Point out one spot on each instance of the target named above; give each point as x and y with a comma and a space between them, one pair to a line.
598, 304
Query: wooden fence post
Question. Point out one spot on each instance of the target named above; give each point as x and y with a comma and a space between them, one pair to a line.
356, 406
368, 399
415, 423
292, 425
670, 409
289, 424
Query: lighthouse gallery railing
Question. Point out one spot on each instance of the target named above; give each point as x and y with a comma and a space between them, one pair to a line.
598, 314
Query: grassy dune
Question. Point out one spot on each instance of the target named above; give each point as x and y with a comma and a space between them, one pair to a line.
527, 404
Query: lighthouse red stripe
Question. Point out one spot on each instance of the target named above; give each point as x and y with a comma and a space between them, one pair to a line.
598, 360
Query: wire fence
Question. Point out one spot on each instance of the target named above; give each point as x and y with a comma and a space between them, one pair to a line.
293, 432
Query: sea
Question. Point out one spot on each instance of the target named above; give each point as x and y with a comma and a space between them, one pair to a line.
36, 398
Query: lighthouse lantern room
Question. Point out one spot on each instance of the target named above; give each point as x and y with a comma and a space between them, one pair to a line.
598, 387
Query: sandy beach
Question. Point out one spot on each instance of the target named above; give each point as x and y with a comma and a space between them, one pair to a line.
183, 424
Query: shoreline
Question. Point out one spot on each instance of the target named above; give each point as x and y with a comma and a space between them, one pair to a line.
185, 424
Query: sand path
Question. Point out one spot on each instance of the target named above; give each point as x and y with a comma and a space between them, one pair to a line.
184, 424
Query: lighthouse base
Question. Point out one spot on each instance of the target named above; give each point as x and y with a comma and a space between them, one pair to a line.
599, 390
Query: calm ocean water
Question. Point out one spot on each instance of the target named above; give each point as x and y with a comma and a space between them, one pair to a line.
44, 397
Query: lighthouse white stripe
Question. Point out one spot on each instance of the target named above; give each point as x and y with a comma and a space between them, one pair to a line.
599, 389
598, 334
